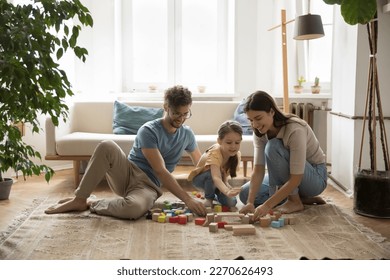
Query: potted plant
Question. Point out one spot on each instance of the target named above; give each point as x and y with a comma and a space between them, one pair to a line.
316, 88
299, 87
372, 186
33, 37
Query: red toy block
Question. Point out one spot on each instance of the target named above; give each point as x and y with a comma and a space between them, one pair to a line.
174, 219
225, 209
200, 221
182, 219
221, 224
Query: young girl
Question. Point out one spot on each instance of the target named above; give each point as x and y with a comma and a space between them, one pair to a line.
217, 163
295, 161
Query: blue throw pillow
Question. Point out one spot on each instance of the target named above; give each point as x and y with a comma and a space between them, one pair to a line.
128, 119
241, 117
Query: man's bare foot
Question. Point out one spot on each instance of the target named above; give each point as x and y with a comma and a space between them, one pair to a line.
313, 200
75, 204
65, 200
293, 204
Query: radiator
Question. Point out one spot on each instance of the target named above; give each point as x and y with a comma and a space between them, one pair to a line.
304, 111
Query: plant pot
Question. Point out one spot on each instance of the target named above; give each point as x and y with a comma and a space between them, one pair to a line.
372, 193
298, 89
5, 188
315, 89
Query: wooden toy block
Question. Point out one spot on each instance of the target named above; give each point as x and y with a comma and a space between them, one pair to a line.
200, 221
156, 210
229, 214
225, 208
281, 221
221, 224
155, 216
292, 220
273, 218
190, 217
161, 219
245, 219
217, 218
277, 214
275, 224
217, 208
182, 219
244, 230
174, 219
265, 221
251, 220
209, 219
209, 210
213, 227
228, 227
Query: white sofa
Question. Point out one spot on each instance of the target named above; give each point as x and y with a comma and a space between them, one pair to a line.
90, 122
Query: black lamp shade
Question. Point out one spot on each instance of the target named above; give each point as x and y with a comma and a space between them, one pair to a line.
308, 27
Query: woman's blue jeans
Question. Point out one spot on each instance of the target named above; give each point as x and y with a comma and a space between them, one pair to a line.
204, 181
277, 157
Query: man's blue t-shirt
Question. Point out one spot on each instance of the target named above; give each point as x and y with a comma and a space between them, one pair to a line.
171, 146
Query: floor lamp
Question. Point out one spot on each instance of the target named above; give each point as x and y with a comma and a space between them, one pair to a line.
307, 27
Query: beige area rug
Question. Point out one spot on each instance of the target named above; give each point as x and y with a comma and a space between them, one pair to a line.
321, 231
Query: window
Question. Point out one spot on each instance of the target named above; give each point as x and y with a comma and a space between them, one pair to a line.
194, 39
317, 54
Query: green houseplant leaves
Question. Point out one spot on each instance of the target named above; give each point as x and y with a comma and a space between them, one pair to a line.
32, 39
356, 11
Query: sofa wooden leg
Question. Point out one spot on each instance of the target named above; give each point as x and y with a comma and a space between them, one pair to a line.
245, 166
76, 170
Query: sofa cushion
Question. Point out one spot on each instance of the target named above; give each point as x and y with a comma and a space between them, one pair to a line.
128, 119
241, 117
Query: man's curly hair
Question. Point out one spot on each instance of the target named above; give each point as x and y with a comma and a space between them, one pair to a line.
177, 96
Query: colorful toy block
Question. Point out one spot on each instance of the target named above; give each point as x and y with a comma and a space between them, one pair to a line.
217, 208
182, 219
275, 224
200, 221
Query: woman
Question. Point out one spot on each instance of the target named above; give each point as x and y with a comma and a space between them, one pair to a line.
218, 163
295, 161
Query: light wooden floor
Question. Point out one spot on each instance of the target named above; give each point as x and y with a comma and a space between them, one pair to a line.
24, 192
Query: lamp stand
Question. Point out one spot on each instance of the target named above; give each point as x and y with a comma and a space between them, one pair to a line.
286, 102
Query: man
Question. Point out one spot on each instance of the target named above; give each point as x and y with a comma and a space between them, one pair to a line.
136, 179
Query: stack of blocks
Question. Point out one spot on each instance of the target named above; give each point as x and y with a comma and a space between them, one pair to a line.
177, 213
172, 214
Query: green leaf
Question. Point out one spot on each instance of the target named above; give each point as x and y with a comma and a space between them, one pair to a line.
358, 11
331, 2
60, 52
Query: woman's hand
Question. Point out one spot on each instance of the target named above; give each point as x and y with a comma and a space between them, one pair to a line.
248, 208
261, 211
233, 192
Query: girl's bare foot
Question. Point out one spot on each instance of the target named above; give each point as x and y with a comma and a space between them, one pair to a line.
313, 200
75, 204
293, 204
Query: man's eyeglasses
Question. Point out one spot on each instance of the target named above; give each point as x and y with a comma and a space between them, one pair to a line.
177, 115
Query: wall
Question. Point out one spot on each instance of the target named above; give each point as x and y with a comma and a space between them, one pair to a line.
349, 76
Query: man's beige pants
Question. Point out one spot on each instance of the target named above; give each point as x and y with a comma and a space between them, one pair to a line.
137, 193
